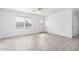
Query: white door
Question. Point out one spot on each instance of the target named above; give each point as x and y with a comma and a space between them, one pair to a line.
75, 27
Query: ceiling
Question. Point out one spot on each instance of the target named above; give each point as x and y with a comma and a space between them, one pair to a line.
43, 11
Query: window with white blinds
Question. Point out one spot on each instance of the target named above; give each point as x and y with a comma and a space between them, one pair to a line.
23, 22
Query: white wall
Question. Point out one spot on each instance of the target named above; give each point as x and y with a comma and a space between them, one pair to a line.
60, 23
7, 18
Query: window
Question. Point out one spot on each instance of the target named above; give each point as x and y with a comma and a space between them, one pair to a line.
41, 21
23, 22
19, 22
28, 22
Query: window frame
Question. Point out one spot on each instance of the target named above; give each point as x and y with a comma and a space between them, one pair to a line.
24, 18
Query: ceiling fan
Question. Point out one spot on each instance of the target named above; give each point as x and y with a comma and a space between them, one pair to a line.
38, 10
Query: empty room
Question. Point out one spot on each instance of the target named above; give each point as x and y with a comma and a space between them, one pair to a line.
39, 29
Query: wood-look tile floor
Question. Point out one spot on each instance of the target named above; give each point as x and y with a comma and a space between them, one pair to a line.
39, 42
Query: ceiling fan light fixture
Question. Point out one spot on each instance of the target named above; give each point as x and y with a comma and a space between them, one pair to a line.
38, 10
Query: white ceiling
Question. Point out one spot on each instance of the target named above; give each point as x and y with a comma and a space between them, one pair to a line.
44, 11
